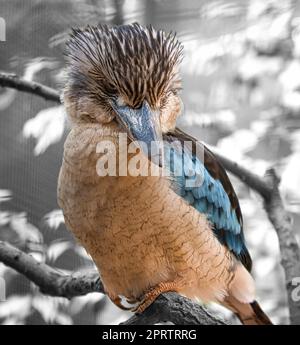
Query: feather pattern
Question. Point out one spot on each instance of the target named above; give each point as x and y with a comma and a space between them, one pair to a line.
130, 60
203, 183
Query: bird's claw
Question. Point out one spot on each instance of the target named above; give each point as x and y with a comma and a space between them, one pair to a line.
152, 295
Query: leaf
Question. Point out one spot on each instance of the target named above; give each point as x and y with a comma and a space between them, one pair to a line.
36, 65
261, 240
291, 100
16, 306
224, 118
6, 98
240, 142
260, 127
49, 308
63, 319
253, 66
200, 56
12, 321
290, 77
37, 255
271, 23
5, 195
264, 266
45, 306
296, 36
26, 231
54, 219
290, 182
82, 253
3, 269
47, 127
4, 218
56, 249
78, 303
215, 9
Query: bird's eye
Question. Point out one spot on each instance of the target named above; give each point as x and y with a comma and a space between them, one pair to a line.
171, 92
111, 89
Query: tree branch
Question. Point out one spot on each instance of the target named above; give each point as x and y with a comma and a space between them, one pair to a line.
168, 307
49, 280
176, 309
15, 82
252, 180
289, 248
267, 187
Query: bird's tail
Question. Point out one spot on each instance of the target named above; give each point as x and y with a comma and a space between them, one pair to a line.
241, 299
248, 313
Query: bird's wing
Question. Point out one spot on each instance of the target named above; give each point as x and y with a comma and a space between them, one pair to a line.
213, 196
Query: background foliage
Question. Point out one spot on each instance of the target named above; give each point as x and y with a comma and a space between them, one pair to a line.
241, 77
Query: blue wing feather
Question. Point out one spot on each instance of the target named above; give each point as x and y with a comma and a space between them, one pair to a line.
208, 197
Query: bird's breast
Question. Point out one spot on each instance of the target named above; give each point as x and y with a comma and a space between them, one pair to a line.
137, 230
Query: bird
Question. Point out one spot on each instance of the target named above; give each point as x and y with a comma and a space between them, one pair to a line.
180, 229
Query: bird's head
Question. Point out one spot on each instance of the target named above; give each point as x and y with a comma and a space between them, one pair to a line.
126, 74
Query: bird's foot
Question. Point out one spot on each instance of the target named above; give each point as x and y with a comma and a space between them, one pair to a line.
118, 302
151, 295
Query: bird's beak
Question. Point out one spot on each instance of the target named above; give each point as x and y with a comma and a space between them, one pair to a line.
142, 126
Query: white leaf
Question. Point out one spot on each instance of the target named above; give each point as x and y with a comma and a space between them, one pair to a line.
83, 253
295, 136
18, 306
12, 321
36, 65
290, 182
224, 118
290, 77
216, 9
260, 127
4, 218
47, 127
296, 36
264, 266
268, 30
5, 195
6, 98
38, 256
56, 249
48, 307
253, 66
241, 141
63, 319
26, 231
54, 218
291, 100
3, 269
78, 303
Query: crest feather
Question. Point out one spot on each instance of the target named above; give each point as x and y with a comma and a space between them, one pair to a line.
134, 61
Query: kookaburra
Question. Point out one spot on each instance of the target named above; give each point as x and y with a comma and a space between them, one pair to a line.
150, 233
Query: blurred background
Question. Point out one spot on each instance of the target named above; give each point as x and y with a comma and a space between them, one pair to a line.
241, 79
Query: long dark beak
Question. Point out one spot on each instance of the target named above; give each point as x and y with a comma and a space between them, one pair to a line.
142, 126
